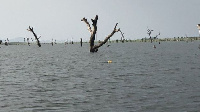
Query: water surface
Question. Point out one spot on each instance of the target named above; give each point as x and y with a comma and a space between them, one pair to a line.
70, 78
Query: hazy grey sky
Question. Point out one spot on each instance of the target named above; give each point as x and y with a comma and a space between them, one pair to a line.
61, 19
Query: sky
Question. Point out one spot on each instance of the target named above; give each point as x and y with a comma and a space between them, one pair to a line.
61, 19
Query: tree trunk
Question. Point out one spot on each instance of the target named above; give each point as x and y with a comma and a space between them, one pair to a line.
94, 48
36, 38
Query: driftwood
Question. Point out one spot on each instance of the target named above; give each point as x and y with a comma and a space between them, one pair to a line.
94, 48
36, 38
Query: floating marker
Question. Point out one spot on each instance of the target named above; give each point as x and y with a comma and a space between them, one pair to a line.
109, 61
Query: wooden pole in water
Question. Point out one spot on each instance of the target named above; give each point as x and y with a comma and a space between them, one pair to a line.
81, 42
52, 42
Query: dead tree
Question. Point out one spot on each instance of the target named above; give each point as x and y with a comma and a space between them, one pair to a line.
122, 38
94, 48
149, 33
36, 38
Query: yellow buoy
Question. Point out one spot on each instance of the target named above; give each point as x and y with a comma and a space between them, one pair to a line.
109, 61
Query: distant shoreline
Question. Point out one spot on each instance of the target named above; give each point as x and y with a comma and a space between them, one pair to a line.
175, 39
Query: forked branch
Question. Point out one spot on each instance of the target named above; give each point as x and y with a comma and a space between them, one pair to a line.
94, 48
88, 25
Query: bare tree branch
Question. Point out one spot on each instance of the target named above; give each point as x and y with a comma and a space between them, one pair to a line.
107, 38
88, 24
36, 38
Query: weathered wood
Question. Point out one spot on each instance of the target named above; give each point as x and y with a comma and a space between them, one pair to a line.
106, 39
94, 48
36, 38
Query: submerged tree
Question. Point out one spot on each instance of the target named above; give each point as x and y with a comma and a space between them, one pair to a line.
150, 37
36, 38
94, 48
149, 33
122, 38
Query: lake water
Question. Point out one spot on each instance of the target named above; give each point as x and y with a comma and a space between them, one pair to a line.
69, 78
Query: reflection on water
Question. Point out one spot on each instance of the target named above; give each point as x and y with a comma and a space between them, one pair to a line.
69, 78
